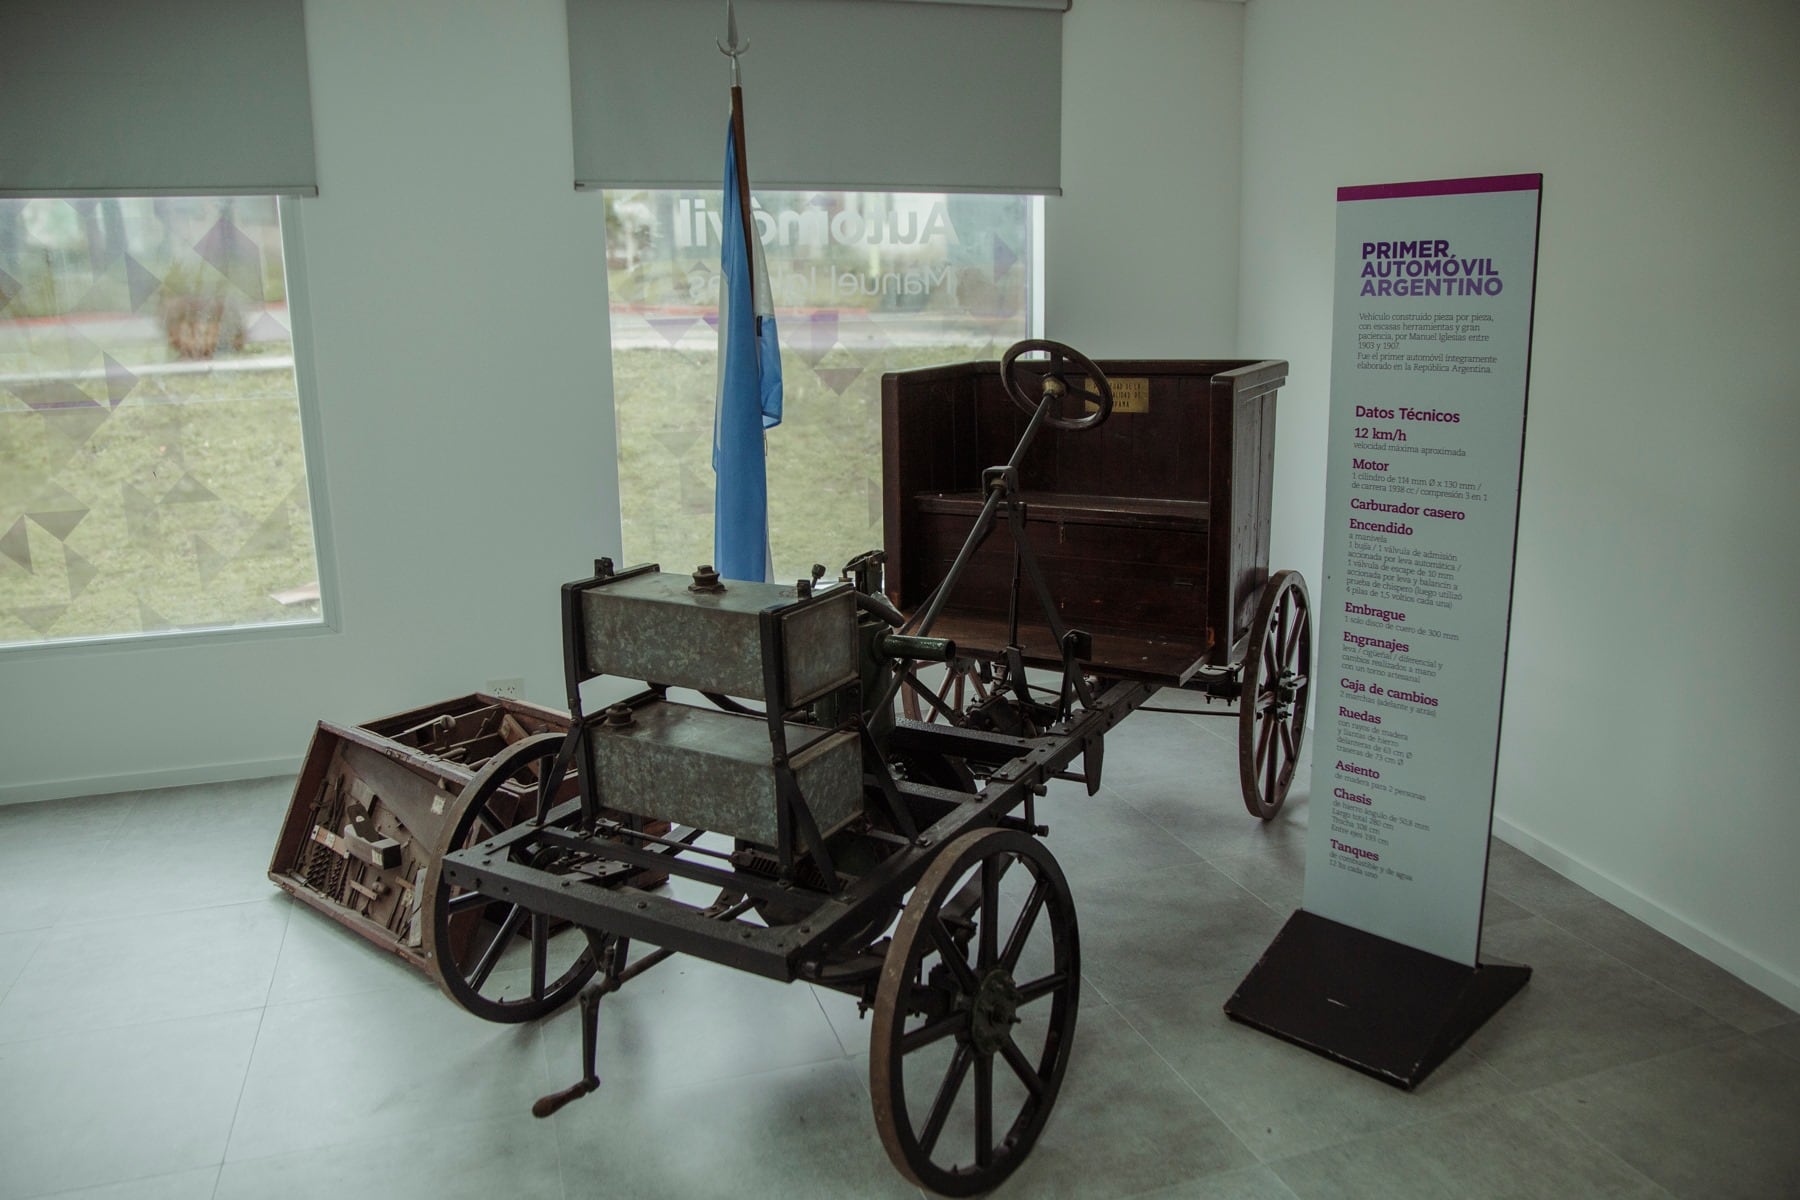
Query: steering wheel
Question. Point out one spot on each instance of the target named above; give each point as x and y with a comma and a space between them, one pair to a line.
1028, 381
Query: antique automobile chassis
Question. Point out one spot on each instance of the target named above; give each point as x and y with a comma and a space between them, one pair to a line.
900, 907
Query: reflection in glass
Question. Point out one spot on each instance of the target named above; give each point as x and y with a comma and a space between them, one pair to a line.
151, 470
863, 283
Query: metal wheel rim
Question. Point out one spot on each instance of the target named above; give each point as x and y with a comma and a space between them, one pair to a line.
451, 977
914, 938
1280, 655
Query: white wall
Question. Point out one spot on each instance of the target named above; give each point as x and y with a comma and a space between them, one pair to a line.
1648, 748
1141, 249
458, 299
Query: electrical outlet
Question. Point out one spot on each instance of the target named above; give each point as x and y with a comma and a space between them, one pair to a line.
512, 689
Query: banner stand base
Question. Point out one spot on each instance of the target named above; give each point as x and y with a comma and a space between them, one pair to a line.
1386, 1009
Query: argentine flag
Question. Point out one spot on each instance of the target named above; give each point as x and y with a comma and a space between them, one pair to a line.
749, 396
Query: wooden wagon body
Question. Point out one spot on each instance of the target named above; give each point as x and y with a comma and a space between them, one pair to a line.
1152, 528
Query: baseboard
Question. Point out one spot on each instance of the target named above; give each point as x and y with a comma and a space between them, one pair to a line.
137, 781
1758, 973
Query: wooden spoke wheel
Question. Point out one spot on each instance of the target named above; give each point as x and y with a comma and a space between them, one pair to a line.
499, 960
1272, 706
966, 681
975, 1013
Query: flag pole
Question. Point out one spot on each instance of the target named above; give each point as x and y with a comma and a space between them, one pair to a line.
749, 399
743, 176
733, 49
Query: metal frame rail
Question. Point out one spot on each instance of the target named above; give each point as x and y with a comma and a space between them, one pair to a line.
502, 867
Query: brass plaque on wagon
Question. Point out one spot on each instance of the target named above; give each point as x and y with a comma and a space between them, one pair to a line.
1129, 395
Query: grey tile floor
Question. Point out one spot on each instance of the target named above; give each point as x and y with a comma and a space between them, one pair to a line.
172, 1027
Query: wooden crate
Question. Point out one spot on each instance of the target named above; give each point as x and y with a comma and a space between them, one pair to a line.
374, 801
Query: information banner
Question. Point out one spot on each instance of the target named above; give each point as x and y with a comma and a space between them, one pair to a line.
1430, 353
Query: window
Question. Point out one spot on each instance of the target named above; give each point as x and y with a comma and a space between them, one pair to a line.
863, 283
152, 473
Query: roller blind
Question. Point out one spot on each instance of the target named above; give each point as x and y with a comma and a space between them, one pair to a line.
154, 97
876, 95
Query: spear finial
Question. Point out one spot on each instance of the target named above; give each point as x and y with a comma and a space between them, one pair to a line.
731, 48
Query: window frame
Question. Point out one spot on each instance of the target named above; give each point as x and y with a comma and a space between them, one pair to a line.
329, 621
